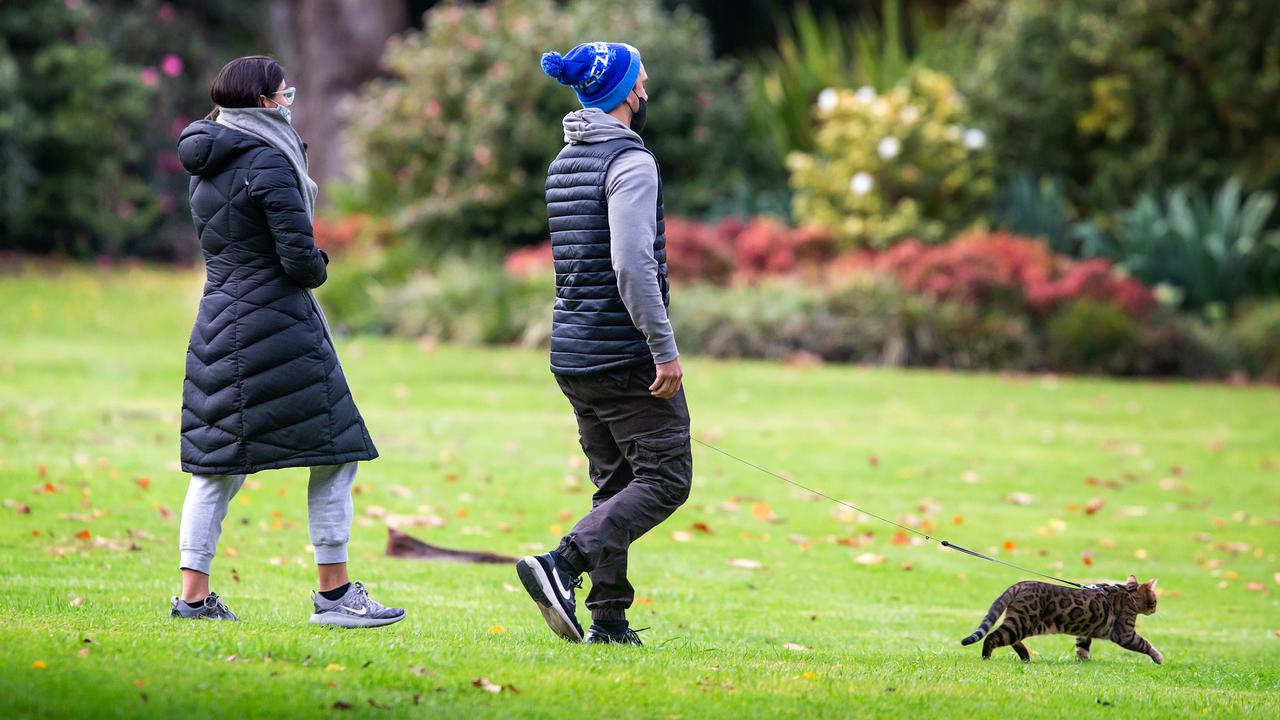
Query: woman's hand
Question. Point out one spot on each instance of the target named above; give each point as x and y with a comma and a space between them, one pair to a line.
668, 381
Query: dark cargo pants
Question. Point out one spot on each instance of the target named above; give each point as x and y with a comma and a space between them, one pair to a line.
641, 463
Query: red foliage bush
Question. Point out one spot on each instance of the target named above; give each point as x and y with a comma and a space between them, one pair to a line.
981, 269
529, 261
999, 268
697, 252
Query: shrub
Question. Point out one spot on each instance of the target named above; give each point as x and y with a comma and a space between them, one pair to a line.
889, 166
814, 52
1088, 336
1000, 270
454, 147
69, 179
1214, 251
1117, 96
1257, 333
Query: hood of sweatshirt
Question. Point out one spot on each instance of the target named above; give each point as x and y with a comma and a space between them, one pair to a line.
593, 125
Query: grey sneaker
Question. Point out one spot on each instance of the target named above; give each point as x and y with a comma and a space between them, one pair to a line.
353, 610
211, 609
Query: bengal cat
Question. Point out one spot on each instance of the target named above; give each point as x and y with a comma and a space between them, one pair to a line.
1102, 611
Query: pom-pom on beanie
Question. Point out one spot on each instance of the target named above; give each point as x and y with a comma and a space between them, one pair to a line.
602, 74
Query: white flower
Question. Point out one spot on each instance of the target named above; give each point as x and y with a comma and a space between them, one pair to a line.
865, 94
828, 99
909, 114
861, 184
975, 139
889, 148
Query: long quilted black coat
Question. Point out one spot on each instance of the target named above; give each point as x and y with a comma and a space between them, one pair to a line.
264, 388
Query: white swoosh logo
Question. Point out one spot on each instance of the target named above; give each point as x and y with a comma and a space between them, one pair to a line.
566, 594
361, 611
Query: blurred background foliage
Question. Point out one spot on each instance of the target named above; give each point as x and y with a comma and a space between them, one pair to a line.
812, 154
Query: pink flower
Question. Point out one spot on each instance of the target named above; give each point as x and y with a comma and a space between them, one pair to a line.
166, 13
149, 76
171, 65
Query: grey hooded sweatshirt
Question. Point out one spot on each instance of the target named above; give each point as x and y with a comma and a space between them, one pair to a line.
631, 186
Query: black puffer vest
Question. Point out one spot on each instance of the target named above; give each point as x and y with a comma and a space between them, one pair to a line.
591, 329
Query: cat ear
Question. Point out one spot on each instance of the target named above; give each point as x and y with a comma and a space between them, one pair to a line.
1152, 583
1132, 580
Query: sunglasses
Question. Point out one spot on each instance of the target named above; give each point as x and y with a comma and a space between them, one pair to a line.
289, 93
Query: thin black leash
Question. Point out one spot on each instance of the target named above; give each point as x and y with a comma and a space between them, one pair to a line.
944, 543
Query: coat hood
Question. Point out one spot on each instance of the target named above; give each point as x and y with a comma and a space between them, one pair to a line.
593, 125
206, 147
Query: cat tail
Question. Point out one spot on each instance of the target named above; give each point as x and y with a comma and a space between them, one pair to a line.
993, 614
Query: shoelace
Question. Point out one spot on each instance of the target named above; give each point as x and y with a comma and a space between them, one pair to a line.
631, 635
363, 594
217, 603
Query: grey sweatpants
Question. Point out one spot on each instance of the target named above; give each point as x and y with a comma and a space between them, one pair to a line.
329, 512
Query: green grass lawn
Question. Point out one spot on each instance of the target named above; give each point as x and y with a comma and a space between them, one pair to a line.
90, 380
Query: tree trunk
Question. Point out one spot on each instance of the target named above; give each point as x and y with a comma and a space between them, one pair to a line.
329, 49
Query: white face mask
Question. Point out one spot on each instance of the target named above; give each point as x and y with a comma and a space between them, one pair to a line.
286, 113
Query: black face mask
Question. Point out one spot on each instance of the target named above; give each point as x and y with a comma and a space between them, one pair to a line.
639, 116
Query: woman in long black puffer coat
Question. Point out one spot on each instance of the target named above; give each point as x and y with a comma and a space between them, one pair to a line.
264, 388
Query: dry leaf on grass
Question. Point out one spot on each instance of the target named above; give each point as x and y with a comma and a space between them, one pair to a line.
797, 647
1019, 498
745, 564
869, 559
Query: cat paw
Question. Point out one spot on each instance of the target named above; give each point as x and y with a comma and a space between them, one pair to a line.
1082, 654
1156, 657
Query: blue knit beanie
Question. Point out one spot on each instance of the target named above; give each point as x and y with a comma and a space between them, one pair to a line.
602, 74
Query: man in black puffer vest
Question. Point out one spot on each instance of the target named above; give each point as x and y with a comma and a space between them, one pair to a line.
612, 348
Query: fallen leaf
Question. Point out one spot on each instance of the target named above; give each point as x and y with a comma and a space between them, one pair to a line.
1094, 506
869, 559
497, 630
1008, 545
77, 602
1140, 554
809, 675
762, 511
375, 704
509, 587
139, 682
906, 565
1256, 587
84, 535
39, 665
1087, 558
84, 652
873, 461
488, 685
277, 561
797, 647
143, 482
335, 666
746, 564
702, 528
681, 536
232, 658
420, 671
1019, 498
340, 705
957, 520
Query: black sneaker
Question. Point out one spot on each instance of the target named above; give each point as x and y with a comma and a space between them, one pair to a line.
599, 636
212, 608
552, 589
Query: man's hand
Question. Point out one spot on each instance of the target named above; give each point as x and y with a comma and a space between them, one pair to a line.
668, 380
